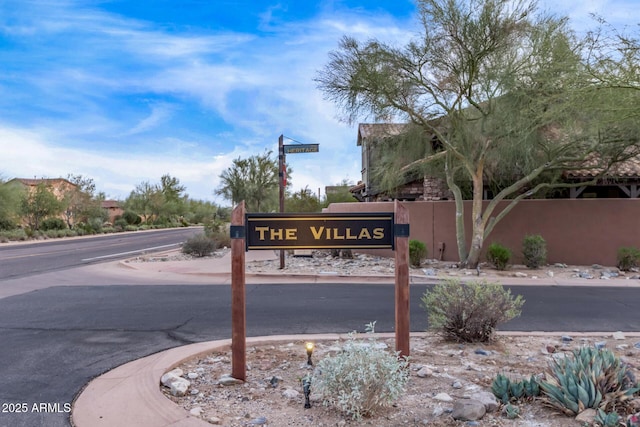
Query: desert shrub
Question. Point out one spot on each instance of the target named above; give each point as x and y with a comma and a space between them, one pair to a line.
53, 224
628, 258
534, 250
6, 224
589, 378
14, 235
109, 229
199, 245
130, 228
362, 378
131, 218
469, 312
219, 233
120, 224
417, 252
498, 255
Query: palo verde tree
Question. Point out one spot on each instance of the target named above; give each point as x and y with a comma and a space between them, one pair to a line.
254, 180
499, 92
9, 204
38, 204
81, 204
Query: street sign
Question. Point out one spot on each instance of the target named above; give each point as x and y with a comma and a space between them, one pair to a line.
301, 148
320, 231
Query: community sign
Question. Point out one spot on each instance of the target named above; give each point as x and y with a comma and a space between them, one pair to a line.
320, 231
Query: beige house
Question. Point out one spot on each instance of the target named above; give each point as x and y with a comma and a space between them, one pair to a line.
58, 186
113, 208
622, 181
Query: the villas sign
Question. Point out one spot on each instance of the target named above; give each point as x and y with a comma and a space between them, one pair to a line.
320, 231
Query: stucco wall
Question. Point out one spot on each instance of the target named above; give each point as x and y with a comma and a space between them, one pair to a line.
577, 231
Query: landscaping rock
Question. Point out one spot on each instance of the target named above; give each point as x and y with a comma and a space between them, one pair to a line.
488, 399
443, 397
468, 410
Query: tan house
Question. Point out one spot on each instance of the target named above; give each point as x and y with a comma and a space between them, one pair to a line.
622, 181
59, 186
113, 208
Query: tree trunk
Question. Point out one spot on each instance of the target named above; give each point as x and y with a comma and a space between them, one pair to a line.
461, 238
477, 232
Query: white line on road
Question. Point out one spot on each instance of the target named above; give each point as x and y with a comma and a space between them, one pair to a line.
130, 252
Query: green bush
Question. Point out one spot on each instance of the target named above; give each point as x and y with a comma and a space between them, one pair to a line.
120, 224
53, 224
589, 378
199, 245
417, 252
362, 378
131, 218
6, 224
14, 235
628, 258
469, 312
534, 250
498, 255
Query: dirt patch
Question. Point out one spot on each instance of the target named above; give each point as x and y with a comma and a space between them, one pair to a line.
457, 370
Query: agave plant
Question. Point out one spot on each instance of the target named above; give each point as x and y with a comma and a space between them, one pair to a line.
588, 378
501, 388
604, 419
531, 387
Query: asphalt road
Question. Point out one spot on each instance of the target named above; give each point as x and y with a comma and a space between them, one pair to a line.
20, 260
55, 340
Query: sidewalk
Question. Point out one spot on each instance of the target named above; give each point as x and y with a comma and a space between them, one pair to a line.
130, 394
220, 269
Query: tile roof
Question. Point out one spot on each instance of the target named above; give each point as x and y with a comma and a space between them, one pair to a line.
379, 130
628, 169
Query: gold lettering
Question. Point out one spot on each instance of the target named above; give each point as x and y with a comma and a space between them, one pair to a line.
276, 233
351, 236
364, 234
317, 233
261, 230
336, 234
378, 233
290, 234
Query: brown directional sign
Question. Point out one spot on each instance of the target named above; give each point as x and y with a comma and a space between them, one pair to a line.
319, 231
301, 148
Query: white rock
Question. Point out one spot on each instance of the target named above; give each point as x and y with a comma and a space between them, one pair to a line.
167, 378
228, 380
443, 397
179, 387
618, 336
196, 411
215, 420
290, 393
424, 372
192, 375
488, 400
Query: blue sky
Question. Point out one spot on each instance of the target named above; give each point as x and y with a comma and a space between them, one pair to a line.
125, 91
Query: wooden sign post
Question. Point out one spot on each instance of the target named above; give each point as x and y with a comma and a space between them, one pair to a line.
402, 278
238, 305
316, 231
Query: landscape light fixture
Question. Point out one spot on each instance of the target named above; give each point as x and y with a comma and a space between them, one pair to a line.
309, 347
306, 386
